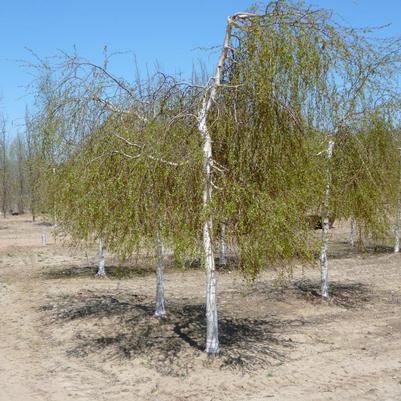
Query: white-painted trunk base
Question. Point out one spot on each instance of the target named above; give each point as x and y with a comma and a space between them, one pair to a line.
324, 266
212, 331
397, 230
352, 235
101, 270
160, 310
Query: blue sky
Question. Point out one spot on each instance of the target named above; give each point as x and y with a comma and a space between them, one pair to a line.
167, 31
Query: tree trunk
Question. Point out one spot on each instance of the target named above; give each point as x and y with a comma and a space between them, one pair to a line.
54, 201
4, 203
160, 310
212, 337
32, 195
101, 271
30, 152
397, 229
21, 175
352, 235
325, 231
4, 210
223, 248
212, 331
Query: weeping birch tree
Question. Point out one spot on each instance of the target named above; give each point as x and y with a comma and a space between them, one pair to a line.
130, 180
366, 176
288, 79
158, 163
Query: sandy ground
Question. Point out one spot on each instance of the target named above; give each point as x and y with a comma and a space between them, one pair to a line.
65, 335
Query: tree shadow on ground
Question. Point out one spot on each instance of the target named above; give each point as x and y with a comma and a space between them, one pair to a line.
113, 272
347, 295
343, 250
231, 264
118, 271
171, 345
378, 249
41, 223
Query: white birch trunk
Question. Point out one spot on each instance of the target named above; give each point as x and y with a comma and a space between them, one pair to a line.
324, 269
212, 332
397, 228
212, 337
160, 310
54, 205
352, 235
223, 248
101, 271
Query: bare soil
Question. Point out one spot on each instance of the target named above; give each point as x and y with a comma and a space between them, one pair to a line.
66, 335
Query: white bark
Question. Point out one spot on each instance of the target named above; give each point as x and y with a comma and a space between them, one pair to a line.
101, 271
54, 205
352, 232
397, 229
324, 269
212, 339
212, 336
160, 310
223, 248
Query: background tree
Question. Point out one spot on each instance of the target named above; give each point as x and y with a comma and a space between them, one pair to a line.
33, 164
4, 168
18, 174
293, 78
126, 179
366, 176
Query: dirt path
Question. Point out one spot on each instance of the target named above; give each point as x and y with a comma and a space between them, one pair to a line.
67, 336
20, 359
